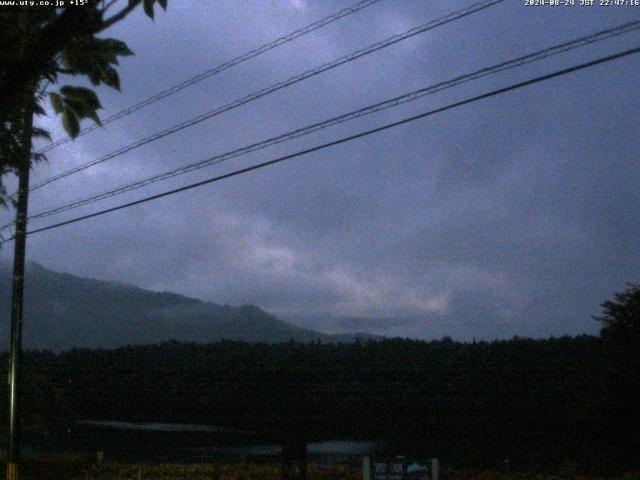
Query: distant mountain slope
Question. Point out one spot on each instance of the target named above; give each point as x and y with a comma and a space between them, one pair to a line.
64, 311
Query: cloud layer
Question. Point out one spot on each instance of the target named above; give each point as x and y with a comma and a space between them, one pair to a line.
515, 215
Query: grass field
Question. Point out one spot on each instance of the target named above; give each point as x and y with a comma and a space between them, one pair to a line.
218, 472
272, 472
74, 465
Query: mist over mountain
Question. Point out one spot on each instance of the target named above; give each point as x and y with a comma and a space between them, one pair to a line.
62, 311
377, 326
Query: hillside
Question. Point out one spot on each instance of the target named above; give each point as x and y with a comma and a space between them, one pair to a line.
63, 311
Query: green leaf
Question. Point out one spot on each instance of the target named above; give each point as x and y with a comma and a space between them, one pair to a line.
148, 8
118, 47
56, 102
94, 116
95, 58
79, 109
163, 4
95, 78
38, 110
111, 78
70, 123
41, 133
75, 104
39, 157
81, 95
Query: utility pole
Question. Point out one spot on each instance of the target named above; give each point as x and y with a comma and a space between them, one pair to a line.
17, 299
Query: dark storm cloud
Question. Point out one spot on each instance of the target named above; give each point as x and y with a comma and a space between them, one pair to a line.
515, 215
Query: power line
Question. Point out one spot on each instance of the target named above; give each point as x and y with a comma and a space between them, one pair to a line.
393, 102
277, 86
350, 138
220, 68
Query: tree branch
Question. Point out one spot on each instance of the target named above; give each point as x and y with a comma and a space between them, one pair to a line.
52, 39
120, 15
108, 6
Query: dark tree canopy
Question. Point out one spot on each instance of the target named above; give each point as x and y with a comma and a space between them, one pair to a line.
37, 46
621, 317
536, 402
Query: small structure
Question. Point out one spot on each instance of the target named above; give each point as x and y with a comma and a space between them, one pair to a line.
397, 468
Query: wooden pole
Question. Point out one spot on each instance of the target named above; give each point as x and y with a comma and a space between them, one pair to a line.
366, 468
17, 294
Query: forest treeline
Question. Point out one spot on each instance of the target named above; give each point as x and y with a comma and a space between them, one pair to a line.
530, 401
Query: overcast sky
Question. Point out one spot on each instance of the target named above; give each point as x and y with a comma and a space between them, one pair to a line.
516, 215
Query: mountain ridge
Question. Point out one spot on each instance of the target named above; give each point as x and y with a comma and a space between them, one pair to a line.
63, 311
